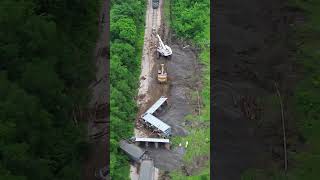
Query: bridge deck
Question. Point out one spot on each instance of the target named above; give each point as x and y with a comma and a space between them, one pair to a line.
152, 140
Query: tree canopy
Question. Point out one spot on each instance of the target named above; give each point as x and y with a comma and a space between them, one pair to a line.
45, 69
126, 28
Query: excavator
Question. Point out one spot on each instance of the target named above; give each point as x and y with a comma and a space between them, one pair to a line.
163, 50
162, 75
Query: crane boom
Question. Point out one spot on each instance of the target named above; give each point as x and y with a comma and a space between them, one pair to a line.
163, 49
160, 42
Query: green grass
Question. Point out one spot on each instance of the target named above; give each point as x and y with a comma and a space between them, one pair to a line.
166, 13
198, 143
202, 175
199, 137
139, 52
307, 97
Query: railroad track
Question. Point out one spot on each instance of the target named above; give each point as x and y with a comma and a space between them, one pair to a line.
154, 20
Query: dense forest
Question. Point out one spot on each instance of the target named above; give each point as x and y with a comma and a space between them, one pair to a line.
307, 97
126, 31
46, 66
190, 21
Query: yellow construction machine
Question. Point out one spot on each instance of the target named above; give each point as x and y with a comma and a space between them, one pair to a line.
162, 74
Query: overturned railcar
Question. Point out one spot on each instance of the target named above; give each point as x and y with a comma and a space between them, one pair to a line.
150, 120
159, 126
158, 106
133, 151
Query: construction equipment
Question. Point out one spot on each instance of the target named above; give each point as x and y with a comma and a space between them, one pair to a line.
162, 75
155, 4
163, 49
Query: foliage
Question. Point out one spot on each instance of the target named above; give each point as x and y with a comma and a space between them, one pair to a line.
126, 28
307, 99
191, 21
203, 175
45, 69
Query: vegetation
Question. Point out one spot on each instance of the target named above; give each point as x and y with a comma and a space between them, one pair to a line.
45, 69
305, 164
307, 99
126, 28
203, 175
191, 21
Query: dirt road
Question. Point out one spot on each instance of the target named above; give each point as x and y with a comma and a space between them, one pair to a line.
147, 62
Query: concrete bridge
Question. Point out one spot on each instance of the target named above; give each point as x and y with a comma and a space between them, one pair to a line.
149, 142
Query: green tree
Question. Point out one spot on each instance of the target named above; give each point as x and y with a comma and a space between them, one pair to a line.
124, 29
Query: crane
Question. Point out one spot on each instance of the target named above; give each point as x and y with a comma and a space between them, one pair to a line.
163, 49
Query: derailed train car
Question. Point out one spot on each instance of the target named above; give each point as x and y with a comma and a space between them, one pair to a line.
150, 120
159, 126
133, 151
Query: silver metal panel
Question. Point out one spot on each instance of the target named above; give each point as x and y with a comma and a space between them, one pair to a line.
152, 140
156, 105
156, 122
